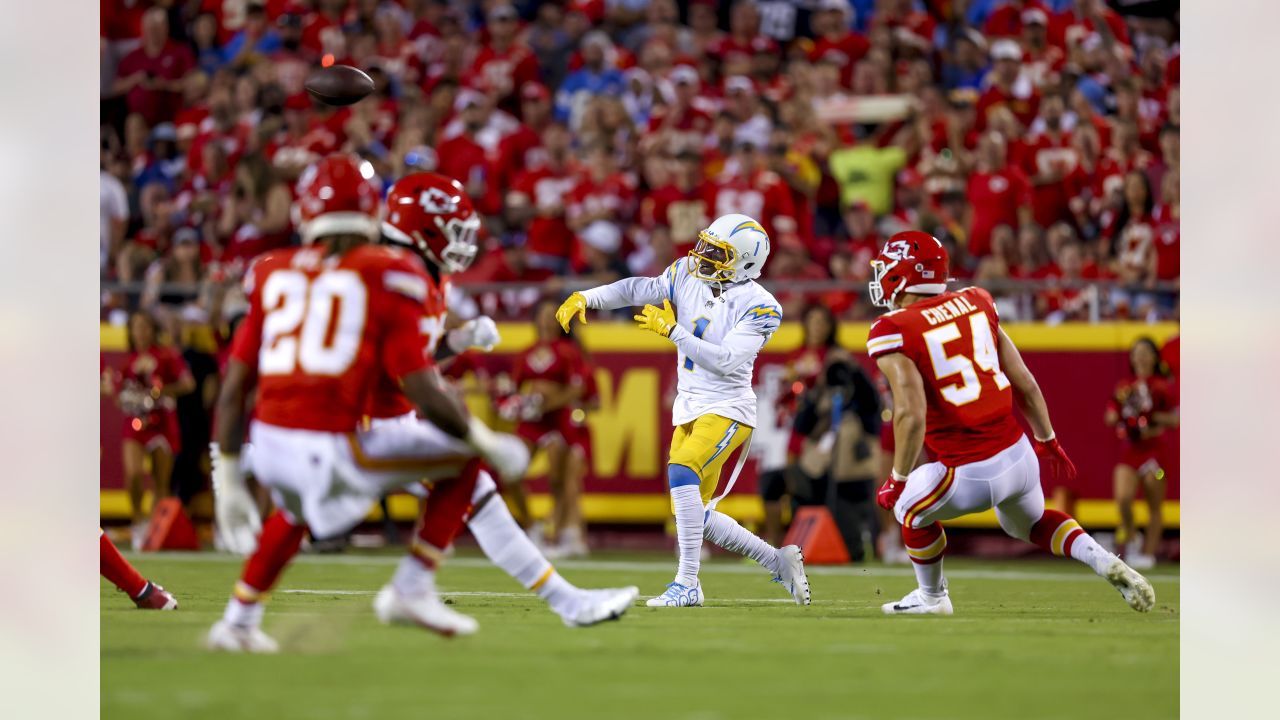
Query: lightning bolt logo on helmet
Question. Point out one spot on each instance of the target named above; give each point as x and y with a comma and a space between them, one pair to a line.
731, 249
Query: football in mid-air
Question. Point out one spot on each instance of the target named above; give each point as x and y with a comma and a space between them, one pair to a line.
339, 85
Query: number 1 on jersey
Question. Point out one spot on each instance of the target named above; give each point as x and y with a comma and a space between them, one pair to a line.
984, 355
699, 327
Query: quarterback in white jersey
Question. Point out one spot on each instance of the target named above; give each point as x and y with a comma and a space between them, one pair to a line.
719, 319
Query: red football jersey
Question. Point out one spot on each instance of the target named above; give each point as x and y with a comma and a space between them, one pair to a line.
321, 329
387, 400
952, 339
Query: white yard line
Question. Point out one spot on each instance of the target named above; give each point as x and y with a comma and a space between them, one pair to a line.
483, 593
727, 568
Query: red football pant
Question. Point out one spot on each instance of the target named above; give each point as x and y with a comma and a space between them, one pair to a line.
444, 514
117, 570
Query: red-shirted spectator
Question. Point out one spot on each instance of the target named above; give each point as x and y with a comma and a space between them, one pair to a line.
1007, 20
152, 239
1008, 86
746, 187
998, 192
322, 33
601, 193
911, 29
545, 192
1069, 302
680, 124
834, 41
1043, 61
463, 158
522, 149
680, 206
1168, 232
1048, 159
744, 27
151, 77
1089, 16
504, 65
1131, 233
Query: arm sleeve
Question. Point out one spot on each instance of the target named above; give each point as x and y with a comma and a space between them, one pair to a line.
634, 291
740, 346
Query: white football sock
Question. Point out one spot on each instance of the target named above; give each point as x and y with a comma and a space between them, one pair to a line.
508, 547
929, 577
243, 614
1087, 550
730, 535
413, 577
687, 500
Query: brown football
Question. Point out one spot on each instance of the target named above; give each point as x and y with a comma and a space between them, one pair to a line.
339, 85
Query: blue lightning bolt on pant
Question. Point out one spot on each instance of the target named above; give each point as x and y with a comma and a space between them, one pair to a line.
699, 450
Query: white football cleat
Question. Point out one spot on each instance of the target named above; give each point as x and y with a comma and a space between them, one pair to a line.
918, 603
226, 637
677, 595
597, 606
1132, 586
791, 573
425, 611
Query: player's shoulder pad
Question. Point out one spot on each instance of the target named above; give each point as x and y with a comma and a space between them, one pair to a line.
671, 276
985, 301
885, 335
399, 271
261, 265
764, 314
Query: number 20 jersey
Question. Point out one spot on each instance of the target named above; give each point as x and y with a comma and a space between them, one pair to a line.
320, 330
952, 340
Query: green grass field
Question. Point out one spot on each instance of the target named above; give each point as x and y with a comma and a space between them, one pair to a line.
1030, 639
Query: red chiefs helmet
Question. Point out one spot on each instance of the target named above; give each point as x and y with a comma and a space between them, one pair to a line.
912, 261
336, 196
432, 215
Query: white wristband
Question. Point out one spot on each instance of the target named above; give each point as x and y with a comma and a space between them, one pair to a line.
1048, 439
897, 476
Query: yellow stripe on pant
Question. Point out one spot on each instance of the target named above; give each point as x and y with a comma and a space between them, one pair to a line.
704, 445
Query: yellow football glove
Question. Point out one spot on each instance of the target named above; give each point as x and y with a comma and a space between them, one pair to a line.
575, 305
660, 320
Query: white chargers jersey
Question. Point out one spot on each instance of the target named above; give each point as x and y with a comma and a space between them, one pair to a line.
718, 338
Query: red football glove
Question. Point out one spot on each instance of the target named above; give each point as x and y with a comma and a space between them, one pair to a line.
1055, 458
888, 494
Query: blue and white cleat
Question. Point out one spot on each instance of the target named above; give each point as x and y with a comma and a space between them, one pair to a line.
678, 595
791, 574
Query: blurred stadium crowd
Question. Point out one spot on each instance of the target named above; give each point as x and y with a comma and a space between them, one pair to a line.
1038, 138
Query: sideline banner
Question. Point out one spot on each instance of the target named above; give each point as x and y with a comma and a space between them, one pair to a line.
1077, 366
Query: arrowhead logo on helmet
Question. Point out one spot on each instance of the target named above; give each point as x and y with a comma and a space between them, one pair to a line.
733, 248
912, 261
432, 215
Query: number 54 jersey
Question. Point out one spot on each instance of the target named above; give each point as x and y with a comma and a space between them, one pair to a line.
951, 339
321, 329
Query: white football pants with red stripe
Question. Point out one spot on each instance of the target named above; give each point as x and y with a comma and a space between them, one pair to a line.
1009, 481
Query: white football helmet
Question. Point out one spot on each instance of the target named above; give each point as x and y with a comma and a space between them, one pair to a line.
733, 248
